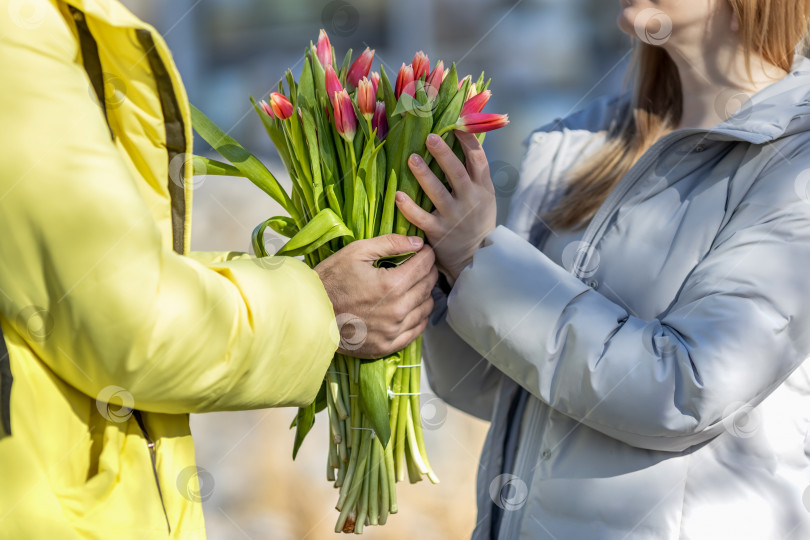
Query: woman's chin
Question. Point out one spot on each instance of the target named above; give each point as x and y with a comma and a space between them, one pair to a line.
625, 20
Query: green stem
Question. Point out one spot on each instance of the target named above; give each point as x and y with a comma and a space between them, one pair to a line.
374, 483
417, 416
402, 423
353, 493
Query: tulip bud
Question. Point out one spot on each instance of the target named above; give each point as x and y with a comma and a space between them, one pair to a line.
476, 103
472, 92
332, 82
461, 82
481, 122
421, 65
360, 68
324, 49
366, 100
405, 82
267, 108
375, 81
281, 106
380, 121
345, 119
434, 80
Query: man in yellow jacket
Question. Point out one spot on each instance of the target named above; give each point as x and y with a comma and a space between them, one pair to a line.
112, 330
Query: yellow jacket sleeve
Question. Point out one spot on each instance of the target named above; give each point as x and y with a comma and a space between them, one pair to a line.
87, 281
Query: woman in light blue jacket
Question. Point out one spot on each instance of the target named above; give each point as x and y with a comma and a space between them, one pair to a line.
637, 333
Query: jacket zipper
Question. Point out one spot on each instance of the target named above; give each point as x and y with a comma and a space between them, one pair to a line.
150, 444
533, 419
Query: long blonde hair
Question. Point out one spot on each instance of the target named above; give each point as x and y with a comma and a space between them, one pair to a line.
773, 29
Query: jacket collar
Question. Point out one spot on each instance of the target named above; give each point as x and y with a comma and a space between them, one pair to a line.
777, 111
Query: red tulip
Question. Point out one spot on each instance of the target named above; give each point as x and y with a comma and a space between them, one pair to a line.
481, 122
281, 106
366, 100
476, 103
405, 82
380, 121
332, 82
267, 108
360, 68
345, 119
375, 81
324, 50
436, 77
421, 65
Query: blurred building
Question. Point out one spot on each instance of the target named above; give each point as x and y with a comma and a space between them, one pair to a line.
546, 59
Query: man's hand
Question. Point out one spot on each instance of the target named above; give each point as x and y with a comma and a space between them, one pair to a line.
463, 218
379, 310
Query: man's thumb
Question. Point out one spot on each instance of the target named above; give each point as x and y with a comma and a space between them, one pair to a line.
391, 244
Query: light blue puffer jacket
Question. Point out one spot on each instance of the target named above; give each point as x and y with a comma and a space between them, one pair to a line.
669, 393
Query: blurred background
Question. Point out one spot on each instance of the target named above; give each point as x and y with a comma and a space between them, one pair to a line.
546, 58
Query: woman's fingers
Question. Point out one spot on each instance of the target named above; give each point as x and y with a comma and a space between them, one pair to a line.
431, 185
476, 158
453, 168
416, 214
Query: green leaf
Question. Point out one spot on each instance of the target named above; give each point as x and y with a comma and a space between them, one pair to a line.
283, 225
306, 86
389, 98
203, 165
311, 136
303, 424
325, 226
448, 90
243, 160
344, 69
374, 397
392, 261
387, 217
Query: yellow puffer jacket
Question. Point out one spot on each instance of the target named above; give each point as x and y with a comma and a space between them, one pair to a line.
102, 305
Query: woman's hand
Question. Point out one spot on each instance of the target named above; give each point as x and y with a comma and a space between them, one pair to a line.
463, 218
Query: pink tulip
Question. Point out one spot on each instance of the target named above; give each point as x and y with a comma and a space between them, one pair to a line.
360, 68
345, 119
375, 81
421, 65
435, 79
324, 49
481, 122
267, 108
405, 82
461, 82
282, 108
366, 100
380, 121
332, 82
476, 103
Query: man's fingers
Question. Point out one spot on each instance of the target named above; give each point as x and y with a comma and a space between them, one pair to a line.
453, 168
387, 245
421, 290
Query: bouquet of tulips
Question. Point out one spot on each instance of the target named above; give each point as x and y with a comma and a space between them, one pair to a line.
344, 135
